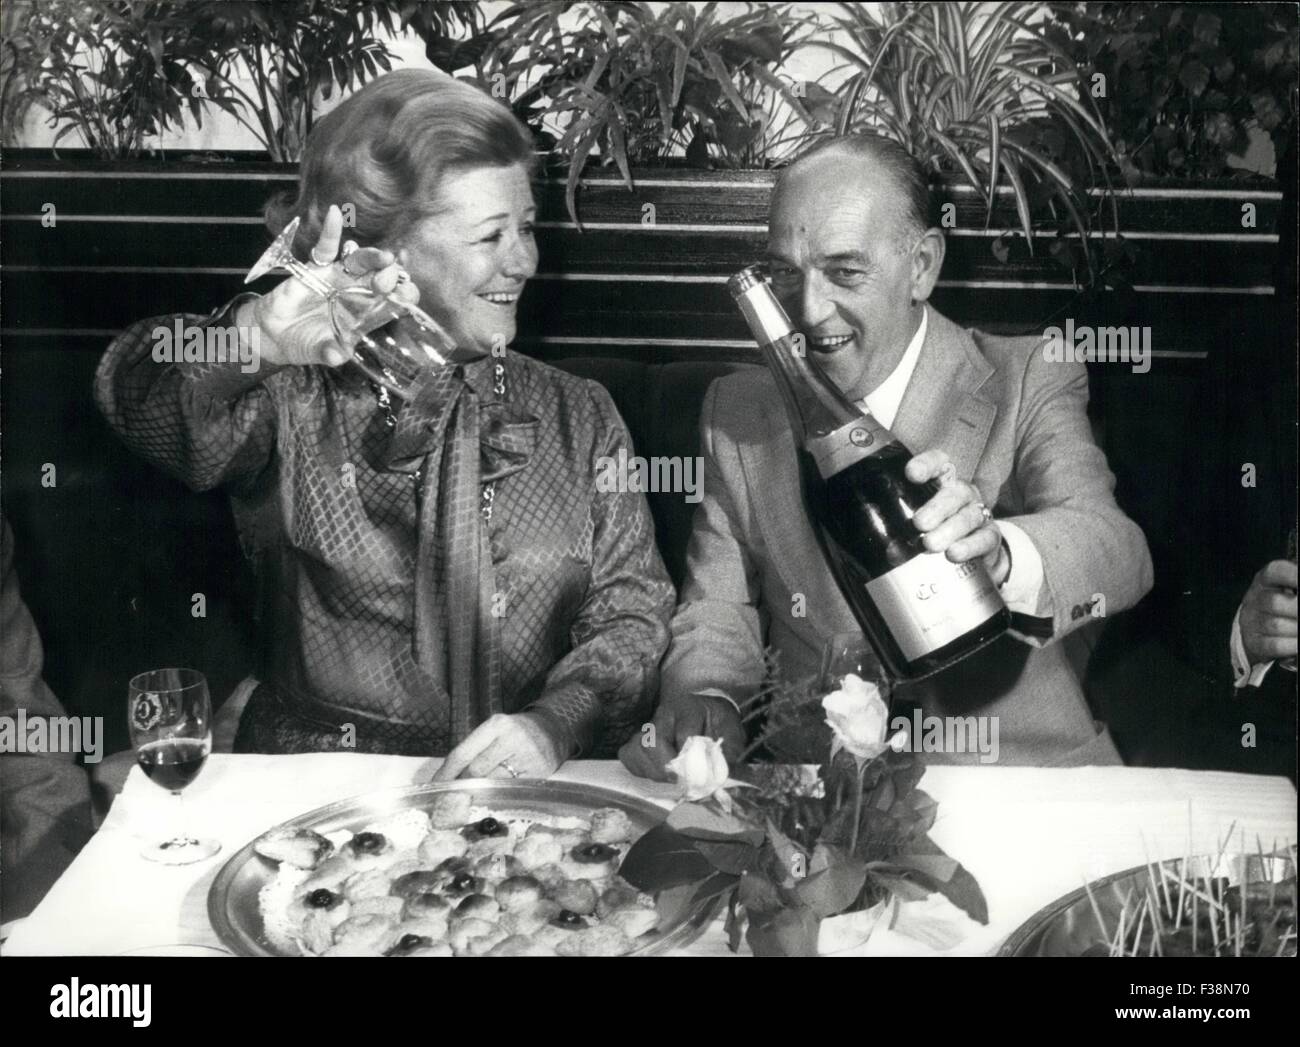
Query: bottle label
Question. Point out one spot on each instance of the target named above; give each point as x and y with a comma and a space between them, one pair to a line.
929, 601
837, 450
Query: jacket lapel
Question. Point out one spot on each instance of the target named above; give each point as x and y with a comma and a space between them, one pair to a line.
944, 405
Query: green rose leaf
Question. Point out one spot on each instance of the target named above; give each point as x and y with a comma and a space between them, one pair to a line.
791, 860
664, 858
718, 883
927, 866
758, 894
938, 868
906, 890
835, 888
963, 891
789, 932
731, 857
704, 823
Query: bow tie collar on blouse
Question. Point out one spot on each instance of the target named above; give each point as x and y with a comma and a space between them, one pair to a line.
457, 433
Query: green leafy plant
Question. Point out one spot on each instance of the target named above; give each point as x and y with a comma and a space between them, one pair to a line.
276, 58
636, 86
1181, 85
452, 30
982, 92
111, 72
788, 847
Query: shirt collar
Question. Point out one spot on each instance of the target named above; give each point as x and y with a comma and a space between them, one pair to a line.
884, 402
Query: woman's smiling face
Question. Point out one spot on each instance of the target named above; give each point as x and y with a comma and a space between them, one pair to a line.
471, 259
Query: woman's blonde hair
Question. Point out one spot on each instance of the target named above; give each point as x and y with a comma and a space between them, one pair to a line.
386, 149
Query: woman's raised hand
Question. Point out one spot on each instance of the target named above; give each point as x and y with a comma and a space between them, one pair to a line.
294, 320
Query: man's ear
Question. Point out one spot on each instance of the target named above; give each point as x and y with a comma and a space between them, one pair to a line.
927, 260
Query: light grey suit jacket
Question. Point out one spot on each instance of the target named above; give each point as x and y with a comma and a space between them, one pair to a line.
1013, 424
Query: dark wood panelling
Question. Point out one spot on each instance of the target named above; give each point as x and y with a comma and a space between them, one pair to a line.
634, 311
678, 197
94, 275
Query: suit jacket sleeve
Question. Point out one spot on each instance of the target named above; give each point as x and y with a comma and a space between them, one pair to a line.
1095, 559
45, 814
718, 630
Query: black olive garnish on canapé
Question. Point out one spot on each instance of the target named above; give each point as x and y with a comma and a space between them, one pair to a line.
461, 886
569, 921
369, 843
592, 853
408, 943
485, 828
323, 899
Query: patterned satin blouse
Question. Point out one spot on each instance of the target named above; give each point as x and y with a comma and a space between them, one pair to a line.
420, 566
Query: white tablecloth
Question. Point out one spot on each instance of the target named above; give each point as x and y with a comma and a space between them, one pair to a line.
1029, 835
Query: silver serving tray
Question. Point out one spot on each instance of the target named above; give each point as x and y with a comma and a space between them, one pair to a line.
237, 919
1068, 926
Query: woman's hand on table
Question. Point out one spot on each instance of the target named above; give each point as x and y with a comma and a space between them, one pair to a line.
647, 753
293, 321
501, 744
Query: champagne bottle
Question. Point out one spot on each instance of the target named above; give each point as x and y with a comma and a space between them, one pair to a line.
920, 611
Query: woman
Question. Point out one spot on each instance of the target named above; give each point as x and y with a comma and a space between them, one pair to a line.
440, 575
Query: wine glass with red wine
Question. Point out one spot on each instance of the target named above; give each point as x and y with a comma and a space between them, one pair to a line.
170, 715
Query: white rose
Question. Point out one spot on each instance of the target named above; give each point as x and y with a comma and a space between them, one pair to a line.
700, 767
857, 715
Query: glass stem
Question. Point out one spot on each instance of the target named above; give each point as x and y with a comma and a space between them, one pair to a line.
182, 836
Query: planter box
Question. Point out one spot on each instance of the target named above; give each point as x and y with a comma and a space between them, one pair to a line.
645, 274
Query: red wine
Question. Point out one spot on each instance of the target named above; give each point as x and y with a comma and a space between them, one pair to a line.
174, 762
919, 611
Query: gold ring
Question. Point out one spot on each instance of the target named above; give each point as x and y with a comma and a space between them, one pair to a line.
985, 511
509, 770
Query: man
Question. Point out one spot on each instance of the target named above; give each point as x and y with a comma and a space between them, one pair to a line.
997, 423
45, 813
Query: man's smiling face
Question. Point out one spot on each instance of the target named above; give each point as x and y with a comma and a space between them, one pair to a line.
845, 264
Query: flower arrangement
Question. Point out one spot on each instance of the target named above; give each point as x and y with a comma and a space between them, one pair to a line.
794, 846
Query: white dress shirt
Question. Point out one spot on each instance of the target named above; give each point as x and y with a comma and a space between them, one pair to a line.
1244, 674
1024, 585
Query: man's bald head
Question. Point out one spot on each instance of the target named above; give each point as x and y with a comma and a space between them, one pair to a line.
875, 157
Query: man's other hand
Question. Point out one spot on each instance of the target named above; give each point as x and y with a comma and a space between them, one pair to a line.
648, 752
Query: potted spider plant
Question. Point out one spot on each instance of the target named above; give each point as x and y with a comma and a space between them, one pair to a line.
983, 96
687, 84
